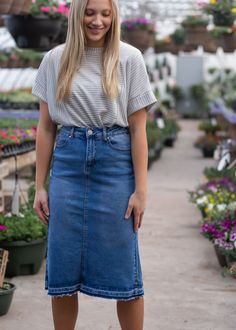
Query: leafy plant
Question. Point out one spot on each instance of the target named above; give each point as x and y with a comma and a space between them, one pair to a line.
211, 173
209, 127
220, 31
52, 8
140, 23
177, 93
195, 20
11, 123
208, 141
17, 96
178, 36
25, 228
223, 11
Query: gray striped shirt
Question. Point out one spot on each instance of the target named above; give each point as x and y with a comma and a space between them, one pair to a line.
88, 106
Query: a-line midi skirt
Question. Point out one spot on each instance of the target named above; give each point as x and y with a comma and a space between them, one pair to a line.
91, 247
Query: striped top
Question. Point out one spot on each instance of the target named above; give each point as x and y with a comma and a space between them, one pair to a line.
88, 106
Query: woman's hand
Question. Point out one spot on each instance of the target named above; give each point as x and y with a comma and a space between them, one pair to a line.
41, 205
136, 204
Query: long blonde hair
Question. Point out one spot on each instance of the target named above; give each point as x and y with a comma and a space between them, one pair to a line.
74, 48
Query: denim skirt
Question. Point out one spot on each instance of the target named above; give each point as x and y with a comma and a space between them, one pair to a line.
91, 247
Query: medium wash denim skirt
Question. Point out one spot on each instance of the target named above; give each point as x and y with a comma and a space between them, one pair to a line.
91, 247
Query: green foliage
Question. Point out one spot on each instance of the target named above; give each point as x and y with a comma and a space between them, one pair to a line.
208, 127
198, 92
178, 36
26, 228
171, 128
27, 55
220, 31
154, 134
3, 57
19, 123
195, 20
222, 12
211, 173
212, 70
17, 96
177, 93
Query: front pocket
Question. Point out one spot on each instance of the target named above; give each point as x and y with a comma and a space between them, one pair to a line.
62, 140
120, 142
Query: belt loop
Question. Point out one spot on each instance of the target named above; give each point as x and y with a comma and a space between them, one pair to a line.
72, 132
104, 131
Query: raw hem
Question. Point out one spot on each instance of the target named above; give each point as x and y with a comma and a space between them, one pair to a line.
69, 291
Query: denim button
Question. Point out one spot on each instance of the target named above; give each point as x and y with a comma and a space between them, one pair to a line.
90, 132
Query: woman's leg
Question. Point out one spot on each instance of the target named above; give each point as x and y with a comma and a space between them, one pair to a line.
131, 314
65, 311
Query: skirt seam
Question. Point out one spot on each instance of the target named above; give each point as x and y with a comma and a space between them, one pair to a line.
122, 295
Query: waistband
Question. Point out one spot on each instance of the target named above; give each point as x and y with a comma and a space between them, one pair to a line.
103, 132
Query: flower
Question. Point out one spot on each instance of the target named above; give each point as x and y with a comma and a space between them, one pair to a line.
140, 23
52, 8
3, 227
223, 12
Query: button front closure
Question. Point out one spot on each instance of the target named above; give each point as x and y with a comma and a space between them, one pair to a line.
90, 132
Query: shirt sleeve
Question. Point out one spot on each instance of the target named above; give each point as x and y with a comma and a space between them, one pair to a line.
39, 88
140, 93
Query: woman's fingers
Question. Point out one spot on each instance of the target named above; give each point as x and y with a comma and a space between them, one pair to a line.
137, 220
41, 213
138, 217
45, 208
128, 211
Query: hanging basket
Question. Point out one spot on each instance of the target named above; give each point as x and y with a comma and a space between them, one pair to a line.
196, 35
5, 6
36, 32
10, 150
26, 6
140, 39
16, 7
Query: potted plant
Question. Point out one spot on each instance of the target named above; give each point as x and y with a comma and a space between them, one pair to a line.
39, 28
139, 32
207, 143
209, 126
223, 12
211, 173
220, 229
18, 99
196, 33
24, 236
6, 288
170, 131
225, 38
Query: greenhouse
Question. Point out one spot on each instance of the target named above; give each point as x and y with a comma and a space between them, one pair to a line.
117, 164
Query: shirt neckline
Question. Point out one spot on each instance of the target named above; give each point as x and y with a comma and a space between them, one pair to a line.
94, 49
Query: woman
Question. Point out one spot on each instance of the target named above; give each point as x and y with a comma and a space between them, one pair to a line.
96, 87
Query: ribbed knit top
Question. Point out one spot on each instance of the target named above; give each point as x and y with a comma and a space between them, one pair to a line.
88, 106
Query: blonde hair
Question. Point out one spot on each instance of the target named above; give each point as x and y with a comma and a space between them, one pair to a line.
74, 48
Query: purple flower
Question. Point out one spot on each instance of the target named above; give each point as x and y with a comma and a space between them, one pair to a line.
226, 224
3, 227
232, 237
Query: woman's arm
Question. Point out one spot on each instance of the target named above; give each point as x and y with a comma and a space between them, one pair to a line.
139, 150
46, 132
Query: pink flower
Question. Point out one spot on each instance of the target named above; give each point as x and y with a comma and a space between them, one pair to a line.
3, 227
45, 9
63, 9
202, 3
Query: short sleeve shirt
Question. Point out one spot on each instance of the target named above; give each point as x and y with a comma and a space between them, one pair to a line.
88, 106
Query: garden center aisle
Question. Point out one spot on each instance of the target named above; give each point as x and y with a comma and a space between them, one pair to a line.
183, 286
